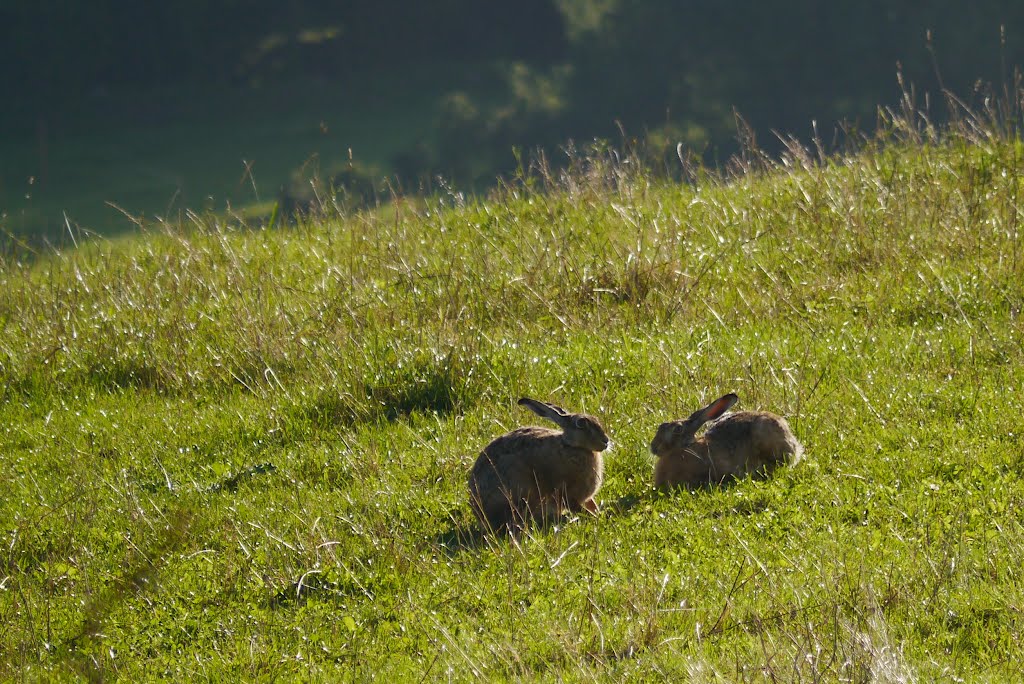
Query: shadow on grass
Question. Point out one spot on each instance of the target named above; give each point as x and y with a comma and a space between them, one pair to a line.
758, 502
230, 483
627, 503
464, 533
322, 586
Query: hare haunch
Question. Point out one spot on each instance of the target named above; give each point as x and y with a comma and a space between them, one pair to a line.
538, 472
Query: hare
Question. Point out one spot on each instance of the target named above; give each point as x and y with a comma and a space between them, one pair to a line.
738, 444
537, 471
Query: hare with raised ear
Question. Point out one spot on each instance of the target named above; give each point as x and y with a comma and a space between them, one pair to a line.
537, 472
735, 445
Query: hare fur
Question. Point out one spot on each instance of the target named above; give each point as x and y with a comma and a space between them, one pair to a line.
733, 446
537, 472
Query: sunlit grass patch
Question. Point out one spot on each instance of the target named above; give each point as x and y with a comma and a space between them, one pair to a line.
242, 453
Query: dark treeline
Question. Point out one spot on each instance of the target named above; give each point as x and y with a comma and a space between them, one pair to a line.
564, 68
69, 46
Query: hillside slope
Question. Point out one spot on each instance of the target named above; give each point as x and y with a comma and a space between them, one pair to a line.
234, 453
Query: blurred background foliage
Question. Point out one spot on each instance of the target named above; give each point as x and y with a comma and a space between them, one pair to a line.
440, 89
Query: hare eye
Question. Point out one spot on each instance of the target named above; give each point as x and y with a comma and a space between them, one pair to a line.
579, 422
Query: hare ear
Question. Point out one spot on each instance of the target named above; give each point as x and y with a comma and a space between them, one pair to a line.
553, 413
718, 407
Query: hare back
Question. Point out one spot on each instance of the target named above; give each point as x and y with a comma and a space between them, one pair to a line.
535, 461
751, 441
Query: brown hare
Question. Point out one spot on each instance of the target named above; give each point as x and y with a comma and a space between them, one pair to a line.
538, 472
735, 445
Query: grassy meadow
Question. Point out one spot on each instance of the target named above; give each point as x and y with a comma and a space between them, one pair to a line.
233, 453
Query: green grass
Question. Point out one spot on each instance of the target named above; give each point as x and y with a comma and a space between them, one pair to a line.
241, 454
